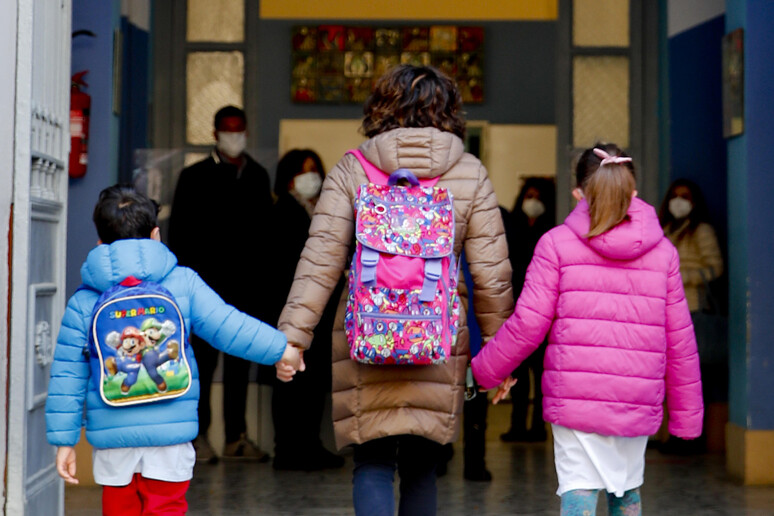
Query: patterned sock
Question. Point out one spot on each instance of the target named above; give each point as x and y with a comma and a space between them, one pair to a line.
628, 505
579, 502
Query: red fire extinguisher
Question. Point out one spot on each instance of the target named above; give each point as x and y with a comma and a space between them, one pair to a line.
80, 104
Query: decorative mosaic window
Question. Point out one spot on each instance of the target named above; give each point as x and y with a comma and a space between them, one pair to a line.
339, 64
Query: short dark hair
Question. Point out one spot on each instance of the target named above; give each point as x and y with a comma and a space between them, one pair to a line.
122, 212
414, 96
229, 111
291, 165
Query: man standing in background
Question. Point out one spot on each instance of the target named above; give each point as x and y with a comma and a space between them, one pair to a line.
220, 205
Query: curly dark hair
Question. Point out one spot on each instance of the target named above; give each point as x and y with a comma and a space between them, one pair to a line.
414, 96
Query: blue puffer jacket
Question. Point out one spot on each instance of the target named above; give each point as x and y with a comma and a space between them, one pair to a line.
154, 424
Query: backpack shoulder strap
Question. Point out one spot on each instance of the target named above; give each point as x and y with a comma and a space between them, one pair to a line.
375, 175
379, 176
83, 286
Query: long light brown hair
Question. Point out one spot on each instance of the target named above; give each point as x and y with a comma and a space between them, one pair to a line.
608, 189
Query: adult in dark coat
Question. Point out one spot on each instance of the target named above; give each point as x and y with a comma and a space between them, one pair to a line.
220, 208
532, 216
297, 406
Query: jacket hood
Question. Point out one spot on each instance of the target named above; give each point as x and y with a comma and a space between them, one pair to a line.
428, 152
628, 240
145, 259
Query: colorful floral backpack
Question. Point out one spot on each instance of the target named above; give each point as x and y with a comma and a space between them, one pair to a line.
403, 305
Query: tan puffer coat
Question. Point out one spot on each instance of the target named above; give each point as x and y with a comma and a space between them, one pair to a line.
371, 401
700, 260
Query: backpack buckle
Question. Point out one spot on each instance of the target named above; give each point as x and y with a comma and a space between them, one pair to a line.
433, 271
368, 259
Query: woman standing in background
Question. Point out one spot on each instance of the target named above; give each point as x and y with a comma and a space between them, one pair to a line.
685, 218
297, 407
532, 216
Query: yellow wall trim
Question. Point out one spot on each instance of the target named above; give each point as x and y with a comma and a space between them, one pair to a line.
483, 10
750, 454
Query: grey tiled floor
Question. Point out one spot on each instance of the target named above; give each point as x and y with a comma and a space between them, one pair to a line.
524, 483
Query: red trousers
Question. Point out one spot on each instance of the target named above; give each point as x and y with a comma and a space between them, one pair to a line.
145, 497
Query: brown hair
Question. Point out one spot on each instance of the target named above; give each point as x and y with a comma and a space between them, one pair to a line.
608, 189
414, 96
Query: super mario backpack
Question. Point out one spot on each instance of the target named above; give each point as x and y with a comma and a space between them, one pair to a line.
403, 306
138, 335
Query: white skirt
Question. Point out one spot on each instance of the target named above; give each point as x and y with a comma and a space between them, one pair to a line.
593, 461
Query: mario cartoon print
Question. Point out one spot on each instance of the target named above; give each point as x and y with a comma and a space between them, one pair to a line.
147, 348
152, 356
128, 360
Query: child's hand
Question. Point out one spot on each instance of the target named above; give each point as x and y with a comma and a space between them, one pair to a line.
294, 356
65, 464
285, 372
292, 360
503, 389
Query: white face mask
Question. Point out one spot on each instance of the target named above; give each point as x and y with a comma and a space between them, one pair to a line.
680, 208
307, 185
232, 144
533, 208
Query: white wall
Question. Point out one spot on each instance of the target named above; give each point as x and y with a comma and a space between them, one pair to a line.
138, 12
330, 139
686, 14
513, 152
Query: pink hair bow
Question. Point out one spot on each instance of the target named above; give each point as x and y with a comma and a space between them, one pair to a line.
608, 159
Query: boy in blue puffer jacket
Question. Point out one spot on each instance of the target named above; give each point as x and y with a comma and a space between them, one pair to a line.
143, 453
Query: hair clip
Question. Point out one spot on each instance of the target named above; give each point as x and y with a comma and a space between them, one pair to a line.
608, 159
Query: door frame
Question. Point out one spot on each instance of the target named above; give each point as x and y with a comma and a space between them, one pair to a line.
643, 54
39, 150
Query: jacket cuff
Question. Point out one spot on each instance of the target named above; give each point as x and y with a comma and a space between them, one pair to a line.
295, 336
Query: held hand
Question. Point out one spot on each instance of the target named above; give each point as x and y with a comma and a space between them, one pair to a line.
503, 389
292, 360
65, 464
292, 357
285, 372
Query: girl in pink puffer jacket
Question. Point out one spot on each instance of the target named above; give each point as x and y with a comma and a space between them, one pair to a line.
605, 286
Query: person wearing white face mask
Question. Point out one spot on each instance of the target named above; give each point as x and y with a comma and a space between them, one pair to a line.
685, 219
221, 196
297, 406
686, 222
532, 216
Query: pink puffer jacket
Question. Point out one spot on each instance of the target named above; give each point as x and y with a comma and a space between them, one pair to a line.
620, 335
